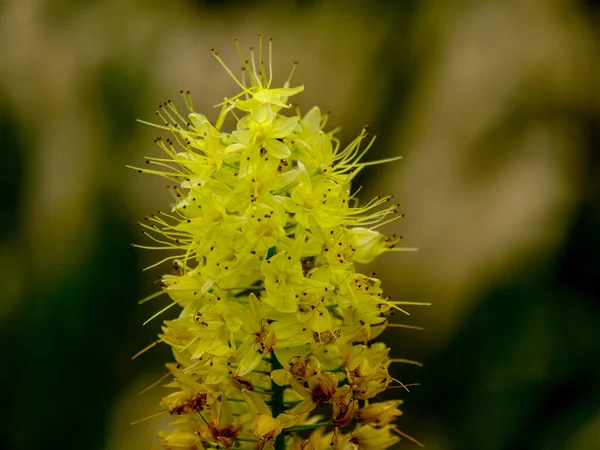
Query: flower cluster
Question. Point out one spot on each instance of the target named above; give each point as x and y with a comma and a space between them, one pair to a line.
275, 335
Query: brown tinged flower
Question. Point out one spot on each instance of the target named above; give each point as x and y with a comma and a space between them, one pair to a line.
184, 436
366, 437
343, 413
221, 427
265, 428
379, 415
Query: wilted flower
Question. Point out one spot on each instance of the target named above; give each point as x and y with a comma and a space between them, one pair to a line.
276, 326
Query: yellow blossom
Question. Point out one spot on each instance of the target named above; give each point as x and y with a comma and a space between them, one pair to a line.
369, 438
378, 415
275, 329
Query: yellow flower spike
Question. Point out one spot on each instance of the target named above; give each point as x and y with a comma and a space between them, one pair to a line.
275, 324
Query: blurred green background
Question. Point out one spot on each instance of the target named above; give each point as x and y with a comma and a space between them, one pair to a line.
494, 105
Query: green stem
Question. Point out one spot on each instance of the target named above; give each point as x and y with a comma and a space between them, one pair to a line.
244, 288
263, 372
276, 390
230, 165
277, 401
287, 404
263, 391
312, 426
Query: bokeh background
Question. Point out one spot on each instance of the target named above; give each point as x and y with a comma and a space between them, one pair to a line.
494, 105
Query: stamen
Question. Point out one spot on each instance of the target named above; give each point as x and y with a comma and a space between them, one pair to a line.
233, 77
289, 80
155, 383
162, 127
410, 438
263, 75
148, 417
245, 63
406, 361
379, 161
187, 98
168, 258
168, 176
166, 308
150, 297
145, 349
254, 72
399, 325
270, 62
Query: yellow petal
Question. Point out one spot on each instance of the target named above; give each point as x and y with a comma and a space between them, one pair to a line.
277, 148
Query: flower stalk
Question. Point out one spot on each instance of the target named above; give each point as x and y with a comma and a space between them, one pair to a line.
277, 402
278, 332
